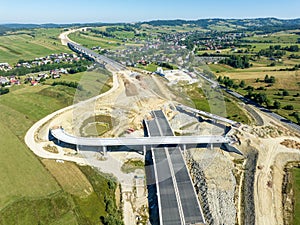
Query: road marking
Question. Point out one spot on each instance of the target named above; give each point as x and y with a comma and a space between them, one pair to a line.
175, 187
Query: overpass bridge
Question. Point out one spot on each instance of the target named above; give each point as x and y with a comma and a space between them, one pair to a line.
61, 136
101, 59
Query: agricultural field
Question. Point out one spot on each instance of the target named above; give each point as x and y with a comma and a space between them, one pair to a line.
35, 191
296, 187
280, 37
30, 44
285, 78
89, 39
254, 76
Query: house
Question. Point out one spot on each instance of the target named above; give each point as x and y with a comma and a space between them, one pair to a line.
62, 70
55, 76
14, 80
34, 83
43, 75
4, 80
28, 79
5, 67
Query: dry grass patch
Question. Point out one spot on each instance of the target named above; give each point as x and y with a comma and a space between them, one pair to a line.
70, 177
49, 148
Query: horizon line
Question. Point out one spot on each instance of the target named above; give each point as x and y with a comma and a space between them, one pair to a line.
145, 21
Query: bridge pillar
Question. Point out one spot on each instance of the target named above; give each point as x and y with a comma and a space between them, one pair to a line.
77, 148
144, 149
211, 146
184, 147
104, 149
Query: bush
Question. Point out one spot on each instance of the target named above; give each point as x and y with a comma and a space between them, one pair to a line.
285, 93
4, 91
277, 105
288, 107
68, 84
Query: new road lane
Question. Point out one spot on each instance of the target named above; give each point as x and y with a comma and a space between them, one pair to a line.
163, 123
190, 204
168, 205
178, 202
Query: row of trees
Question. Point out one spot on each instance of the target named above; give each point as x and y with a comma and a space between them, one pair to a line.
271, 52
68, 84
237, 61
229, 83
292, 48
260, 97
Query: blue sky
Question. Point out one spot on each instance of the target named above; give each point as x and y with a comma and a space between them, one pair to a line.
71, 11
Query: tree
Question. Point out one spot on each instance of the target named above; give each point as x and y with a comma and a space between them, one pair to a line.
266, 78
285, 93
249, 88
276, 104
242, 84
288, 107
270, 80
261, 98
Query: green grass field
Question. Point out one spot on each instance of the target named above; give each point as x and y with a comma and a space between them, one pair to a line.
287, 80
30, 193
280, 37
89, 40
216, 103
296, 178
29, 45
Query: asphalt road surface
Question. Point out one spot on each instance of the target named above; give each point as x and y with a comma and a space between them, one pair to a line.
178, 201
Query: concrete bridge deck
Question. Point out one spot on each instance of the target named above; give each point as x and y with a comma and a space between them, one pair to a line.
62, 136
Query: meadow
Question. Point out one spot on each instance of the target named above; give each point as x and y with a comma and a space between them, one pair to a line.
30, 44
254, 76
216, 103
35, 191
296, 187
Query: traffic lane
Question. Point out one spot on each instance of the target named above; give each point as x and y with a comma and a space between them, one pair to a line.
168, 202
163, 123
153, 128
190, 205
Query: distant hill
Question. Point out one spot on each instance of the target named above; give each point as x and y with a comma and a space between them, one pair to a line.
258, 24
264, 24
52, 25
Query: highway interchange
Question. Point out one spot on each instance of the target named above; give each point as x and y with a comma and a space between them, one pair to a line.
178, 202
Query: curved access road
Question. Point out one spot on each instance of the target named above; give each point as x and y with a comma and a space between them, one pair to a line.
37, 148
64, 36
